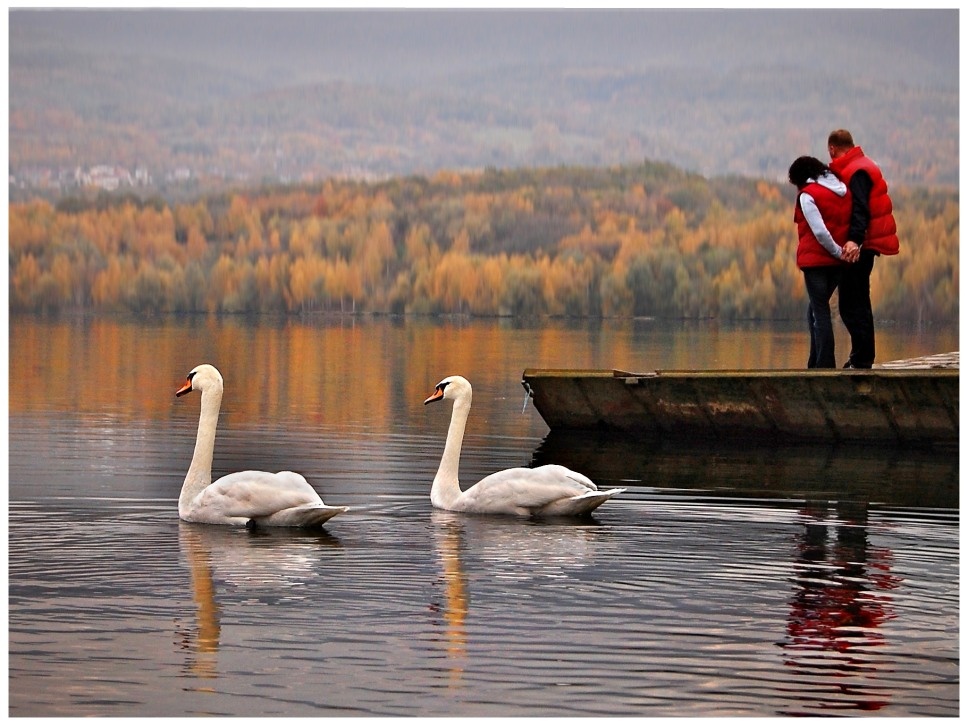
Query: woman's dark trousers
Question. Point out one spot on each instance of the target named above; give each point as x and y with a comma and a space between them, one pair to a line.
821, 283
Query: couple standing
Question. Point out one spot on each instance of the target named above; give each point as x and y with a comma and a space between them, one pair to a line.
844, 219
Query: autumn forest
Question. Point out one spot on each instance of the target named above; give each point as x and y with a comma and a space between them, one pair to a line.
643, 240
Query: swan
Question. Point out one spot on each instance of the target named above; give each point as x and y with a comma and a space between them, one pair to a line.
250, 498
549, 490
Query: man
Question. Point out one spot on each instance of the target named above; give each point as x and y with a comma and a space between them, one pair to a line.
872, 232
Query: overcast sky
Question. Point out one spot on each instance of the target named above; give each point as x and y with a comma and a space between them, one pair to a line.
393, 44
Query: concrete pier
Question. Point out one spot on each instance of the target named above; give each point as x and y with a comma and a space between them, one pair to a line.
908, 403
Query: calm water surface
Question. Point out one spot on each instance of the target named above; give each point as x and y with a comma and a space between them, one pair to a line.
723, 582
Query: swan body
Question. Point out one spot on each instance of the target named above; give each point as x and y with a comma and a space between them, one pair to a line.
549, 490
244, 498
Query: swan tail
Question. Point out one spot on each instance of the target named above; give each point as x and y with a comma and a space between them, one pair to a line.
581, 504
307, 515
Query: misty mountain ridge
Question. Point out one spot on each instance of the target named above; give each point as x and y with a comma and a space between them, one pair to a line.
290, 95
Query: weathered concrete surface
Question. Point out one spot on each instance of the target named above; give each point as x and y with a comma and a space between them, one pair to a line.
910, 403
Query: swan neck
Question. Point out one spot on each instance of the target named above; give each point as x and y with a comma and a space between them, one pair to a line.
446, 488
200, 472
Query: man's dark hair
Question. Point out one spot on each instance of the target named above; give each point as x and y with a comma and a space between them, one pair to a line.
804, 168
840, 139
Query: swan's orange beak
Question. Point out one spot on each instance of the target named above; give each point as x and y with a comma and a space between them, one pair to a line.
185, 389
435, 396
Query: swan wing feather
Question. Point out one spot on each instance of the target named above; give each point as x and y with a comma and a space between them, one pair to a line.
524, 490
256, 494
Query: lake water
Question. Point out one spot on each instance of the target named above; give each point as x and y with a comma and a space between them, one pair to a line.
724, 582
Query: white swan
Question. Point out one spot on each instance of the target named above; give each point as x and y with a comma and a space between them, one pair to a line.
250, 498
549, 490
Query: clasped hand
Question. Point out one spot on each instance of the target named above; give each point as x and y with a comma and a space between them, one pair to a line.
850, 252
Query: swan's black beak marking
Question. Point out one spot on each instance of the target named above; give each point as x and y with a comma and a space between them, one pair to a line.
187, 388
437, 394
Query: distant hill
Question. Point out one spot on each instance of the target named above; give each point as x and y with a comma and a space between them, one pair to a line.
208, 98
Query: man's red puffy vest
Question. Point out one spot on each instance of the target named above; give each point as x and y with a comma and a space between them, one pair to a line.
882, 231
835, 211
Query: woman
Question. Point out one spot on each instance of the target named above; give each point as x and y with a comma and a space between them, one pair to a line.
822, 214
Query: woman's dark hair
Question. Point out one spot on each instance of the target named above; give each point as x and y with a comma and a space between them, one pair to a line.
806, 167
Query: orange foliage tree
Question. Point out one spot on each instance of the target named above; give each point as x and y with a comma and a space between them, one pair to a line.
648, 240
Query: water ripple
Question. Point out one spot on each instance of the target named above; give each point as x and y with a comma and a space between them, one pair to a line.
669, 602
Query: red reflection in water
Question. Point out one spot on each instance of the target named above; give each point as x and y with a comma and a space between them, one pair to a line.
838, 609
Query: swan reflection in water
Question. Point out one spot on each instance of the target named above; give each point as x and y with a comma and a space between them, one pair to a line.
448, 536
504, 550
254, 562
200, 642
837, 611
